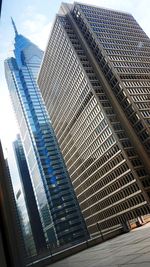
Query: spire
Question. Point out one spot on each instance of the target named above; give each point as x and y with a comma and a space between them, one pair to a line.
14, 26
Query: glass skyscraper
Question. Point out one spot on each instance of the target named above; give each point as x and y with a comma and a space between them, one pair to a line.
95, 82
27, 206
23, 216
59, 211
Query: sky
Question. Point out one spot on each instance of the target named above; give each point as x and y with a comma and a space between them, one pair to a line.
34, 19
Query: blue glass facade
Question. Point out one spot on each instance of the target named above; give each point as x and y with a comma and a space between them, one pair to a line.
59, 211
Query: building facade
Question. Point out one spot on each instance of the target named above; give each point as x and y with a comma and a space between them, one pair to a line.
59, 211
95, 82
10, 228
27, 206
28, 239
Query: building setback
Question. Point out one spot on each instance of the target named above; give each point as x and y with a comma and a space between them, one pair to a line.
59, 211
95, 82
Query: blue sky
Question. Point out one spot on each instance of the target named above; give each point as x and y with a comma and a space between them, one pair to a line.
34, 19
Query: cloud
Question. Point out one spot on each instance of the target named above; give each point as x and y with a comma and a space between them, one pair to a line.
36, 26
30, 9
40, 38
7, 130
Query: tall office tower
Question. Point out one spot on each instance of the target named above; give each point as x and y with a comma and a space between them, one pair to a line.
25, 224
30, 219
59, 211
96, 86
12, 251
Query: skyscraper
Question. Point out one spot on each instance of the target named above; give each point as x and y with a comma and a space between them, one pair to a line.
59, 211
95, 82
25, 224
27, 206
10, 230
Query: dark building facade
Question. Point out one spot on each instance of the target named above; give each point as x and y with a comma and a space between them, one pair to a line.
60, 215
27, 234
27, 204
12, 250
96, 85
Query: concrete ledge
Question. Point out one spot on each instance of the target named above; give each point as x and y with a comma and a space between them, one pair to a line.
75, 249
